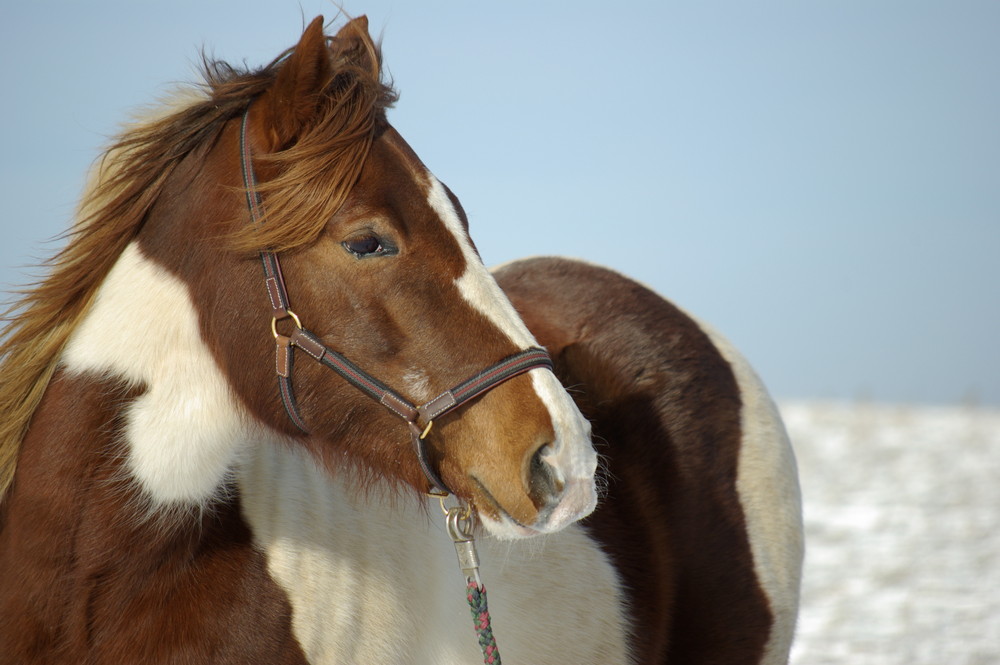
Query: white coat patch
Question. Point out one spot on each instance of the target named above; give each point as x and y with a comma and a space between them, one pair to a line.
375, 581
767, 483
184, 433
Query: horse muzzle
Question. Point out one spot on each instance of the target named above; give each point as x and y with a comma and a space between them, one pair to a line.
561, 483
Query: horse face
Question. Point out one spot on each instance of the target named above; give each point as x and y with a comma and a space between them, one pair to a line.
393, 282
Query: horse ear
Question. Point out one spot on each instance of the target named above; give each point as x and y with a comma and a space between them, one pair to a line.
356, 27
300, 81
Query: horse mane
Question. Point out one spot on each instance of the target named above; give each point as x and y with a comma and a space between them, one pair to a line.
312, 178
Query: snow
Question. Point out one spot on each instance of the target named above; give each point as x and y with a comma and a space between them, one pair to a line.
902, 518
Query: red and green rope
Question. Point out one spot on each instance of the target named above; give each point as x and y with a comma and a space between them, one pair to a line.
476, 594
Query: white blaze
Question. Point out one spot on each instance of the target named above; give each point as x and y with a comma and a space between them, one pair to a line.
572, 456
477, 285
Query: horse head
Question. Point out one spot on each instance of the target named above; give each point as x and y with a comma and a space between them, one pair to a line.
378, 266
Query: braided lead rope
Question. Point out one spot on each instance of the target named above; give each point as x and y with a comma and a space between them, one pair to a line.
481, 620
460, 525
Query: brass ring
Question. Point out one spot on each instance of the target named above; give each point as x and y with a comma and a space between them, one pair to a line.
288, 314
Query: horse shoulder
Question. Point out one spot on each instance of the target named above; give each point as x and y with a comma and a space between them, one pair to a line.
88, 574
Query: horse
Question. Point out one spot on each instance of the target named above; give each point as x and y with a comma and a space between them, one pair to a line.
269, 337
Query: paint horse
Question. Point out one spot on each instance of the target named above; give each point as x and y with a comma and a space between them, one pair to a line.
211, 445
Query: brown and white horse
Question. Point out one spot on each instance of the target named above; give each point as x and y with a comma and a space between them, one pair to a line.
161, 503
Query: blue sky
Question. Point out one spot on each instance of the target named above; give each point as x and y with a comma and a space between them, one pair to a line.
818, 180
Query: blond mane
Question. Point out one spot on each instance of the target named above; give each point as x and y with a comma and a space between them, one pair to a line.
314, 175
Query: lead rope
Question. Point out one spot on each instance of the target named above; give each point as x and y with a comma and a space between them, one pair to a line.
460, 526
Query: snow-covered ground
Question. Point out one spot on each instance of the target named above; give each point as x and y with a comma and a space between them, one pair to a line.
902, 516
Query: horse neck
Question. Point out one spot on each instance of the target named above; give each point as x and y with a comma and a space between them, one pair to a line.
74, 489
137, 396
184, 431
141, 376
122, 475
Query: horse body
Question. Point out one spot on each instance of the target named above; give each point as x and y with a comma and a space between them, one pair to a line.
701, 516
166, 508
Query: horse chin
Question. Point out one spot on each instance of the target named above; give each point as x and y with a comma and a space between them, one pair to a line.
576, 502
505, 527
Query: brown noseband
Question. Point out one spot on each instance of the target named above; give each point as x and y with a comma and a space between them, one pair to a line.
418, 418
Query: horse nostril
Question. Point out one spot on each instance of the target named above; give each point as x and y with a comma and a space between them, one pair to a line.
543, 484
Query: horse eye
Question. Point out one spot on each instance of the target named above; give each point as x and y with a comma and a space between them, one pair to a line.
364, 246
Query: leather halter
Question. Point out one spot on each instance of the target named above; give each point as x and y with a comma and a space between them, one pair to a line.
418, 418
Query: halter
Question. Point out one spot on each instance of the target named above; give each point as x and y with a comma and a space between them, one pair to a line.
420, 419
